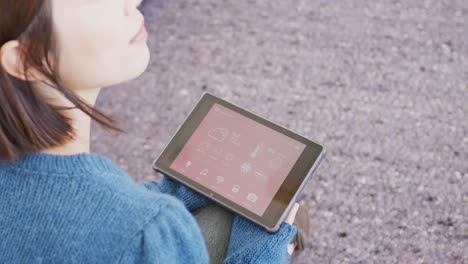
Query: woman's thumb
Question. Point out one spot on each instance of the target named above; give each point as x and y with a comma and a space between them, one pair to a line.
292, 214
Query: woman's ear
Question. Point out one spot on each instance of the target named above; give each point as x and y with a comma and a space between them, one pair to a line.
10, 60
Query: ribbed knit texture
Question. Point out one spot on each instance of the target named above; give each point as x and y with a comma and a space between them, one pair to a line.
82, 208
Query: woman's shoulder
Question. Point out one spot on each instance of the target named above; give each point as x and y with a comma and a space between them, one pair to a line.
95, 214
129, 197
157, 222
170, 236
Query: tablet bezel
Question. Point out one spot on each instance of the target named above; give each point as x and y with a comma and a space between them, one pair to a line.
289, 190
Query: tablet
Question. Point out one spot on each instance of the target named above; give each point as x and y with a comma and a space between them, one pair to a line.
250, 165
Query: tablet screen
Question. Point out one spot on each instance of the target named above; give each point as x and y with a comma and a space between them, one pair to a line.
238, 158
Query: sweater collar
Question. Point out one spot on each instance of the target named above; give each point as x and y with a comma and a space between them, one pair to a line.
63, 164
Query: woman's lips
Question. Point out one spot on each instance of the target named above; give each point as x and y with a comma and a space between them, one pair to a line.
142, 34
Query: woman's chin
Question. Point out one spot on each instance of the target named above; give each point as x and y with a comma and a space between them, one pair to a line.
139, 68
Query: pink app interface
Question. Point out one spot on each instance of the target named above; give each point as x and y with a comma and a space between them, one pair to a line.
238, 158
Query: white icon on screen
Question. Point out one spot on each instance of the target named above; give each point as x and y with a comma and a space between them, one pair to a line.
203, 146
271, 151
204, 172
276, 163
188, 164
236, 188
259, 175
218, 134
255, 152
219, 179
252, 197
235, 137
294, 145
246, 167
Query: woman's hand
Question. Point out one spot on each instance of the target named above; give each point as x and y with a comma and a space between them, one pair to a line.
292, 214
251, 243
290, 220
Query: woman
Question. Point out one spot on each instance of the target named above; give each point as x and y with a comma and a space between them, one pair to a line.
59, 203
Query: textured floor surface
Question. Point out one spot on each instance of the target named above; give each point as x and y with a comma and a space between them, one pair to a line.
383, 84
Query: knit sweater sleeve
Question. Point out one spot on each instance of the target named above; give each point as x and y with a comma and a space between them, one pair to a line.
250, 243
172, 236
191, 199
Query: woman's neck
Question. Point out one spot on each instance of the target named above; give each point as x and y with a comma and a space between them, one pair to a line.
81, 143
81, 122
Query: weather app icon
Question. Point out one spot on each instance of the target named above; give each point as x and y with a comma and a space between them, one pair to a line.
218, 134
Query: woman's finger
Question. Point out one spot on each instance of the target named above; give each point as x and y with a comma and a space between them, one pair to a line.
292, 214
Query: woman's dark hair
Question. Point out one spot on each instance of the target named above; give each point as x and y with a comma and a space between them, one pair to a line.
28, 124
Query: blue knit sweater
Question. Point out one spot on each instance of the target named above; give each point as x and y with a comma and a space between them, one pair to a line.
82, 208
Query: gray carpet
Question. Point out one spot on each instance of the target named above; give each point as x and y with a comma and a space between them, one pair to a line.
383, 84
